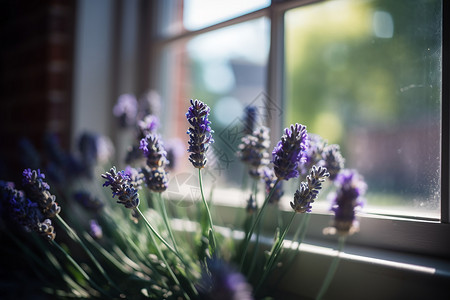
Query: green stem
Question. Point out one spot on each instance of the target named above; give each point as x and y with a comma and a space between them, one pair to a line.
332, 269
274, 255
166, 221
152, 232
258, 217
169, 228
211, 226
301, 230
258, 231
79, 269
75, 236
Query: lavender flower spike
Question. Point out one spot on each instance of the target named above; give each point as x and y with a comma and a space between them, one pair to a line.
154, 173
270, 179
253, 151
154, 151
200, 133
333, 160
222, 282
39, 192
25, 212
126, 110
308, 191
351, 188
289, 152
155, 178
121, 186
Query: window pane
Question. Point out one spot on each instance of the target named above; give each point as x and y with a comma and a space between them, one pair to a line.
367, 75
226, 69
202, 13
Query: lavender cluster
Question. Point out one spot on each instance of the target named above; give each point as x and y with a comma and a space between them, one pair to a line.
309, 189
154, 172
122, 187
270, 180
200, 133
320, 153
349, 195
253, 151
34, 206
289, 152
222, 282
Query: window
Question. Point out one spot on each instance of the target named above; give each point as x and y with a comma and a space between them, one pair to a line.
367, 75
364, 74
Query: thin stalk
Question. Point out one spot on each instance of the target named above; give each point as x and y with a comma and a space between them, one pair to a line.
274, 255
79, 269
153, 230
169, 228
75, 236
258, 231
107, 255
160, 253
208, 212
166, 221
255, 254
301, 230
332, 269
258, 217
158, 249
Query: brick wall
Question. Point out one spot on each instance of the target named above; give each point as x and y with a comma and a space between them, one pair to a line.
36, 55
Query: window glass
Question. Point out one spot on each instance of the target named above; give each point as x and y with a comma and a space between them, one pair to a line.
367, 76
227, 70
202, 13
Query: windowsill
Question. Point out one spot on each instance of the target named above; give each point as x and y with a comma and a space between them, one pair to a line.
363, 272
366, 273
422, 236
392, 257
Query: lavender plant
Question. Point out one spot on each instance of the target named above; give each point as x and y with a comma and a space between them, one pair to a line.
350, 190
200, 137
126, 110
146, 257
253, 151
285, 158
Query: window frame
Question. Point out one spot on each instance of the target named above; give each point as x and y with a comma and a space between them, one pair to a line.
412, 235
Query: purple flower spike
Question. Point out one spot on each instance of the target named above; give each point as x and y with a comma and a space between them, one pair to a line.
351, 188
289, 152
126, 109
148, 125
154, 174
121, 186
153, 149
250, 119
313, 153
26, 212
155, 178
88, 201
39, 192
333, 160
222, 282
309, 189
200, 133
270, 179
95, 230
253, 151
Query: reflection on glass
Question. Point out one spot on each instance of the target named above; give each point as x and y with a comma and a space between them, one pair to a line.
227, 70
198, 14
367, 75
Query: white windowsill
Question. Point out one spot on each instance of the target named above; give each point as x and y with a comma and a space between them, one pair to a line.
363, 272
